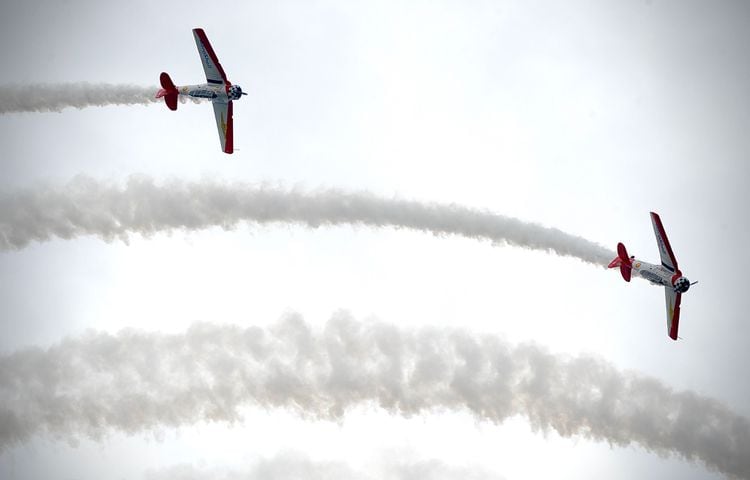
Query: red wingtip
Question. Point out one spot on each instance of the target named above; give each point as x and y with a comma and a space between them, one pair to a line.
229, 145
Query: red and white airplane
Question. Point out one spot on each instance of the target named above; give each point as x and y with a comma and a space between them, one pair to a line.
667, 274
219, 90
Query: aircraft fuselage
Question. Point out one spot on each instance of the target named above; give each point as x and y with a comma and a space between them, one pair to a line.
667, 274
656, 274
217, 88
215, 93
660, 275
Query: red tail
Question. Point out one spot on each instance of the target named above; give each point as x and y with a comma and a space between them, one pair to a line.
168, 91
623, 261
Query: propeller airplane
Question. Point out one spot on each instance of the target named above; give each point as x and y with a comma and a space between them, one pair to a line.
218, 89
667, 274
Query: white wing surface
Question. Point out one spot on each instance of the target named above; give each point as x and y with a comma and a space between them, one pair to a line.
214, 71
665, 249
673, 311
225, 125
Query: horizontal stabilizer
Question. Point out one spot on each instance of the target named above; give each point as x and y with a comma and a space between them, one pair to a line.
168, 91
623, 261
166, 82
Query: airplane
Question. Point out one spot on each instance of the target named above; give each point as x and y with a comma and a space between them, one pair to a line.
667, 274
219, 90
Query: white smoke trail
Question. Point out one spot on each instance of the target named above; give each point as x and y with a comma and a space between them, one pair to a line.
295, 466
134, 382
56, 97
87, 207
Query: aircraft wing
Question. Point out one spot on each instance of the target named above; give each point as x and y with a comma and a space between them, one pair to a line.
224, 123
668, 259
214, 71
673, 311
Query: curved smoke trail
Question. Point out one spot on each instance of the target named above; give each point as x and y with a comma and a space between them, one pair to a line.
294, 466
135, 381
87, 207
56, 97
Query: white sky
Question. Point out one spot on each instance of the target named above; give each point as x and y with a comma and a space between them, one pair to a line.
581, 115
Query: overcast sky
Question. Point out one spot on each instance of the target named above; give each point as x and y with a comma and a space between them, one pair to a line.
578, 115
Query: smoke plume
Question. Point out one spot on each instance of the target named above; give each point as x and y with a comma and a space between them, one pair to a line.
56, 97
136, 382
87, 207
294, 466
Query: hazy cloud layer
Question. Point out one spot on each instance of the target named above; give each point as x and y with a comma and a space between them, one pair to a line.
136, 381
295, 466
56, 97
88, 207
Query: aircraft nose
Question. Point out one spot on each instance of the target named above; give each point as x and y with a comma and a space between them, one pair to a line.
682, 285
237, 92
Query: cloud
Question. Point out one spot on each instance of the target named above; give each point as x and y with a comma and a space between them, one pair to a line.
87, 207
56, 97
137, 382
294, 466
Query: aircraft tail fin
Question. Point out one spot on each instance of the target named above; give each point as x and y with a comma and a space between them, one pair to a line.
168, 91
623, 261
